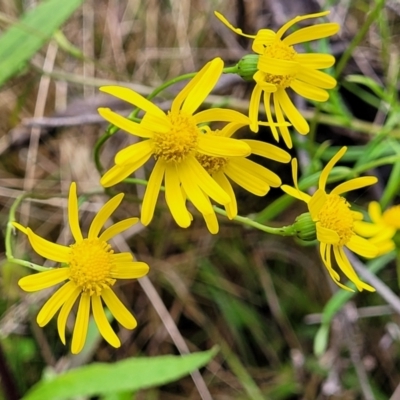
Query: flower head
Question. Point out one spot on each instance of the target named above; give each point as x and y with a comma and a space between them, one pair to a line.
382, 228
335, 221
91, 270
246, 173
281, 67
174, 139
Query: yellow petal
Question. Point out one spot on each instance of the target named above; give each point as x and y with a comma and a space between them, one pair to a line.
354, 184
362, 246
124, 123
134, 153
275, 66
328, 167
194, 193
230, 26
366, 229
20, 227
47, 249
119, 172
64, 313
54, 303
312, 33
291, 191
73, 214
133, 98
205, 182
325, 235
199, 87
315, 77
292, 113
117, 228
218, 146
221, 114
316, 203
229, 129
268, 150
212, 223
152, 191
122, 257
231, 207
264, 37
254, 107
104, 213
174, 197
297, 19
348, 270
309, 91
325, 251
375, 211
43, 280
102, 323
280, 118
81, 324
154, 123
130, 270
240, 172
118, 310
315, 60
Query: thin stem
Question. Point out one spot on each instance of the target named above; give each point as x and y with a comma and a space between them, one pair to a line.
282, 231
372, 16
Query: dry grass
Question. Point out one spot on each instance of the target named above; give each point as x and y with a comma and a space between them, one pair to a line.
242, 290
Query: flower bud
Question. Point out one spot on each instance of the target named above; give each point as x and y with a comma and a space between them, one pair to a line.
247, 66
305, 227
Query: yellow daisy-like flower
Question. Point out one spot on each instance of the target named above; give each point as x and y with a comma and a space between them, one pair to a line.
281, 67
382, 228
335, 221
91, 270
174, 139
246, 173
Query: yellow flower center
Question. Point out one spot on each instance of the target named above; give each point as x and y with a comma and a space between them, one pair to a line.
180, 141
280, 51
336, 216
391, 217
211, 164
91, 264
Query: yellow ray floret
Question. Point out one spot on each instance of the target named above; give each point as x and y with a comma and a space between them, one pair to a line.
335, 222
281, 67
91, 270
174, 139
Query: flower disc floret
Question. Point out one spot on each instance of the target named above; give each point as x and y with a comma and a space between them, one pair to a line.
336, 216
281, 67
91, 265
336, 223
180, 141
89, 272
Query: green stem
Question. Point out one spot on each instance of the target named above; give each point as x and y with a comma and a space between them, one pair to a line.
282, 231
8, 238
230, 70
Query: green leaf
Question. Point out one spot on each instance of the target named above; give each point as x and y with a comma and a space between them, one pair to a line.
23, 39
131, 374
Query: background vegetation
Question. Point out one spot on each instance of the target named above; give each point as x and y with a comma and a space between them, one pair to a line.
283, 329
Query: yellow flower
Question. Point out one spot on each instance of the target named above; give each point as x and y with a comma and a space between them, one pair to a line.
382, 228
91, 270
246, 173
335, 221
280, 67
174, 139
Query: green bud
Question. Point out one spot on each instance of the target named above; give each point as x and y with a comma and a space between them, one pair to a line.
247, 66
305, 227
